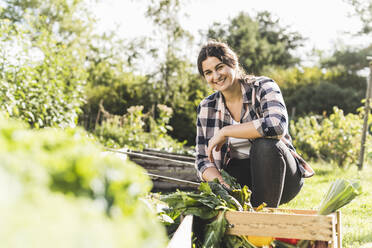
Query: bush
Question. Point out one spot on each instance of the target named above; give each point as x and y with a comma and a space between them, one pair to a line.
41, 79
59, 189
136, 130
315, 90
335, 138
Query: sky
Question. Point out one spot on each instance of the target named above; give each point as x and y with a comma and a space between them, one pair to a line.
323, 22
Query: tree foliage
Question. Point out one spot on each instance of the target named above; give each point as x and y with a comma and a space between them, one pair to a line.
45, 91
363, 9
43, 82
259, 41
314, 90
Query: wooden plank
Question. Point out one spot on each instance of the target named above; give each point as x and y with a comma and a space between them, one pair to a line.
339, 229
183, 235
169, 155
292, 211
283, 225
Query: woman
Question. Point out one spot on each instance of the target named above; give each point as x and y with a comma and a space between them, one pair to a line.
243, 128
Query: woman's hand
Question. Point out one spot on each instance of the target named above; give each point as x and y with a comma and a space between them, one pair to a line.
211, 173
216, 142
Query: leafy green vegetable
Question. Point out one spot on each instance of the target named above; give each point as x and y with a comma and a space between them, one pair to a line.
202, 212
230, 180
232, 241
215, 231
244, 197
207, 205
340, 193
219, 190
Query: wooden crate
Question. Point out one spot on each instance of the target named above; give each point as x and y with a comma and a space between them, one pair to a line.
287, 223
279, 223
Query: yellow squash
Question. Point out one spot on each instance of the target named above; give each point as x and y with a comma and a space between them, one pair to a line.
259, 241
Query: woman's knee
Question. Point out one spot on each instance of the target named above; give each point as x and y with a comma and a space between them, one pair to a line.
265, 146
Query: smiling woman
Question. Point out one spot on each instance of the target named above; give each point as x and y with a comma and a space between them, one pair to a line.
243, 128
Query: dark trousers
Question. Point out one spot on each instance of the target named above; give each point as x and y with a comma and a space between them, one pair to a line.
271, 173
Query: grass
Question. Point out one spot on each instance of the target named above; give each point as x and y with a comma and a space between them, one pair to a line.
356, 216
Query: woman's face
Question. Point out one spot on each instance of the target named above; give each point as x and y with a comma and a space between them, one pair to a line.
217, 74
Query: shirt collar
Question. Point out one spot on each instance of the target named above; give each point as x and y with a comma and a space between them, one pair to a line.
246, 88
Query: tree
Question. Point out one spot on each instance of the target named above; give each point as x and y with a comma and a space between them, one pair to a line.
171, 70
363, 9
43, 81
259, 41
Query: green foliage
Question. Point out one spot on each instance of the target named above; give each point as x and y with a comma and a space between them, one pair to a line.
363, 9
340, 193
42, 75
258, 41
314, 90
335, 138
348, 59
59, 182
136, 130
215, 231
117, 91
205, 205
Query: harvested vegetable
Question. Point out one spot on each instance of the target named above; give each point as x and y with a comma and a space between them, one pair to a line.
259, 240
288, 241
213, 200
340, 193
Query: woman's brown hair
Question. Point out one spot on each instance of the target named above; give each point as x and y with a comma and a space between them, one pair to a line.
221, 51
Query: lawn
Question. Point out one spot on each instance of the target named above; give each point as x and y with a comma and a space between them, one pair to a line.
356, 216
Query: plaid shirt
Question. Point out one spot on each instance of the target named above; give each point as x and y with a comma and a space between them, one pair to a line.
267, 112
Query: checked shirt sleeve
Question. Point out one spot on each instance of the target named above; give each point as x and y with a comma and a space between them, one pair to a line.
202, 162
273, 121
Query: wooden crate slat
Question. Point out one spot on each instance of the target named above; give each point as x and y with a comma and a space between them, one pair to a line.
183, 235
301, 226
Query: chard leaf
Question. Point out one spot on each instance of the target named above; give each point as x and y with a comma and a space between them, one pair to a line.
220, 191
244, 197
215, 231
204, 187
230, 180
211, 201
202, 212
181, 199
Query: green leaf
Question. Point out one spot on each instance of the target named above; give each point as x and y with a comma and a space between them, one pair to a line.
215, 231
220, 191
340, 193
203, 212
204, 187
230, 180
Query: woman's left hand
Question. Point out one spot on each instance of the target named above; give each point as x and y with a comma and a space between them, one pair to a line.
215, 142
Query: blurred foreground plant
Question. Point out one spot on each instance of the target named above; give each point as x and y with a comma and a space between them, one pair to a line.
58, 189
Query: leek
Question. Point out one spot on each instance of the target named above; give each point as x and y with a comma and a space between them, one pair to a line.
340, 193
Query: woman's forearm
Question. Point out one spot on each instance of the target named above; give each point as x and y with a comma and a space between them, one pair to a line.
211, 173
243, 130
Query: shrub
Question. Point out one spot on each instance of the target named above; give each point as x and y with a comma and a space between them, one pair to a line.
138, 130
41, 79
335, 138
